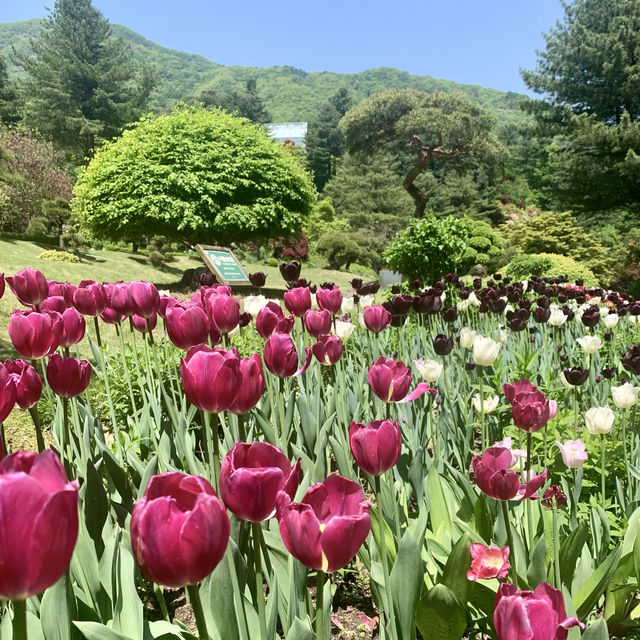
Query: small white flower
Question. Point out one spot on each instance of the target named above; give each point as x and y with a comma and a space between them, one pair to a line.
611, 320
590, 344
466, 337
344, 329
485, 351
347, 306
625, 396
366, 301
490, 403
599, 420
463, 305
430, 370
557, 317
254, 304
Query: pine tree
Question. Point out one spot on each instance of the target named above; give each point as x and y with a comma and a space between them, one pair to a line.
9, 104
84, 85
245, 103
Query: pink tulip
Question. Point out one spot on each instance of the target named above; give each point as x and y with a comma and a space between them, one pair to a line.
317, 322
211, 378
7, 393
390, 381
62, 289
2, 284
35, 335
573, 453
281, 356
488, 562
73, 327
120, 298
251, 387
329, 299
90, 298
38, 520
376, 446
110, 316
54, 303
187, 325
224, 312
251, 477
271, 318
495, 478
142, 324
376, 318
28, 383
145, 299
68, 377
328, 349
327, 527
29, 286
531, 615
298, 300
179, 529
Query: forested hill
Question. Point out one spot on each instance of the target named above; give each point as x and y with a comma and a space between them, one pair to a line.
289, 93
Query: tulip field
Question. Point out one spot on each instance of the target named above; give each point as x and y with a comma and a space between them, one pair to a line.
444, 461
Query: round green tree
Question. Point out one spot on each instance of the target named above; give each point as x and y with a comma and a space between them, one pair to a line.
193, 175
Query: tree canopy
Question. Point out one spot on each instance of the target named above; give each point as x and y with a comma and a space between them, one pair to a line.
83, 84
245, 103
194, 175
443, 127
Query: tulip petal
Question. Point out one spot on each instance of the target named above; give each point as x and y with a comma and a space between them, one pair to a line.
306, 363
342, 537
300, 531
510, 619
532, 486
422, 388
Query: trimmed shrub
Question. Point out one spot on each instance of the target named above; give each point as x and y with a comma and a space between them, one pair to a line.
58, 256
549, 264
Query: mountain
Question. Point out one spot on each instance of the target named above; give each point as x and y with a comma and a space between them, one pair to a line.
289, 94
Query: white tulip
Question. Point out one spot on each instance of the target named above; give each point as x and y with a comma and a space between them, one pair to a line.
347, 306
490, 403
344, 329
485, 351
361, 320
611, 320
463, 305
599, 420
466, 337
366, 301
473, 299
254, 304
557, 317
590, 344
314, 302
430, 370
604, 312
625, 396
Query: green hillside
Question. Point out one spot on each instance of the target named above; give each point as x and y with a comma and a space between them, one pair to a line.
289, 93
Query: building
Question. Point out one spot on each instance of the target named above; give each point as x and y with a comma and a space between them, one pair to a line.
288, 132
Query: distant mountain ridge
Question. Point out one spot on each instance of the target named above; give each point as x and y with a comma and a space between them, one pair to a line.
289, 94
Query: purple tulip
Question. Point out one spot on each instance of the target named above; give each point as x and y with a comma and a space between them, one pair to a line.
35, 335
187, 325
281, 356
68, 377
29, 286
375, 446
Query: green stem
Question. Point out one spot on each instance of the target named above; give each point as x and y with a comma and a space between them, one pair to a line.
66, 446
257, 565
19, 620
150, 332
512, 554
528, 502
216, 451
194, 597
35, 416
624, 449
320, 605
242, 434
575, 413
556, 550
96, 324
157, 589
602, 471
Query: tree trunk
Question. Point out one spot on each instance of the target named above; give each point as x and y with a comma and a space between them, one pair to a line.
424, 160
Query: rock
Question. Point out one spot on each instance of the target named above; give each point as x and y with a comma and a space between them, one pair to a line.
479, 271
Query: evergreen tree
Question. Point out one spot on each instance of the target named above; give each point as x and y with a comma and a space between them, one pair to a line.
9, 104
245, 103
324, 140
84, 85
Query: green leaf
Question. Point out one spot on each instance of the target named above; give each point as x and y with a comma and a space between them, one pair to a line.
441, 615
97, 631
406, 584
455, 571
483, 519
537, 571
597, 630
57, 610
437, 504
95, 505
589, 594
570, 551
300, 630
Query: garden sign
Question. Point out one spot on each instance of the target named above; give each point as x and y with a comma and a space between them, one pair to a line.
223, 263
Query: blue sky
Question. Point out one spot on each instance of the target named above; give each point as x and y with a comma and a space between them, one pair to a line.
482, 42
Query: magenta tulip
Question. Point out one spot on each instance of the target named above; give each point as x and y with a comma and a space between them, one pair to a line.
251, 387
62, 289
224, 312
142, 324
169, 301
7, 394
327, 527
329, 299
390, 381
211, 378
120, 298
251, 477
271, 318
512, 389
317, 322
328, 349
29, 286
110, 316
530, 411
376, 318
179, 529
488, 562
145, 299
39, 523
531, 615
2, 284
375, 446
73, 327
498, 481
54, 303
35, 335
68, 377
187, 325
90, 298
28, 383
298, 300
281, 356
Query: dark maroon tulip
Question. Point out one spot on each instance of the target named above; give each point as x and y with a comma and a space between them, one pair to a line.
281, 356
553, 497
2, 285
208, 279
376, 318
591, 316
90, 298
179, 529
38, 520
245, 319
73, 327
390, 381
442, 345
317, 322
211, 378
298, 300
258, 279
512, 389
68, 377
35, 335
54, 303
7, 394
251, 477
327, 527
224, 312
29, 286
144, 298
495, 478
290, 271
328, 349
375, 446
120, 298
576, 376
530, 411
251, 387
631, 360
110, 316
187, 325
330, 299
356, 283
609, 373
427, 304
143, 324
28, 383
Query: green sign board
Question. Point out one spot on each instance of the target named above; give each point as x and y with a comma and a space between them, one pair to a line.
223, 263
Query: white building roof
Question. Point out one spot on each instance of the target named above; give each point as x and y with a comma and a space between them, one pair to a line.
283, 131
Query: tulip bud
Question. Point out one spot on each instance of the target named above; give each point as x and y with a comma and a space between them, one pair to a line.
376, 446
552, 498
179, 529
68, 377
29, 286
442, 345
281, 356
258, 279
290, 271
142, 324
